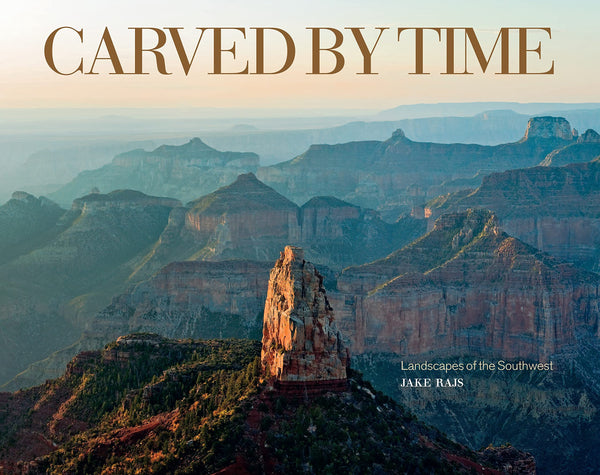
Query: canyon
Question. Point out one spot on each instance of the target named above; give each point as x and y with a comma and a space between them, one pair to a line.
147, 402
555, 209
75, 261
508, 270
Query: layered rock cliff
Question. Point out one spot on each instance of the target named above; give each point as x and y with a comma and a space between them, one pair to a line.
555, 209
300, 342
397, 173
241, 215
250, 220
467, 288
193, 299
549, 127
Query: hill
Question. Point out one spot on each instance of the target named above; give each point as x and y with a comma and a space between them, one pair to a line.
182, 171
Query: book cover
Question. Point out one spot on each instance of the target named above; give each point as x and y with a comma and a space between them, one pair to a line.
433, 165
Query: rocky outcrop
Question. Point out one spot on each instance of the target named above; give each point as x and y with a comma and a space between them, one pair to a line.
398, 173
300, 341
556, 209
549, 127
467, 288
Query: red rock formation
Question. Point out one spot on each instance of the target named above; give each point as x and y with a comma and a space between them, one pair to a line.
300, 340
467, 288
555, 209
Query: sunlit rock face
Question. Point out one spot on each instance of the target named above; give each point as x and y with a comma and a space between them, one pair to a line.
300, 340
466, 288
555, 209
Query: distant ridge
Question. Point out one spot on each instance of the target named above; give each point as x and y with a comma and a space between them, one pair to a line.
395, 175
181, 171
472, 108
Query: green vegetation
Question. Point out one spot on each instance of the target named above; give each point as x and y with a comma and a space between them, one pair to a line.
363, 432
157, 406
151, 405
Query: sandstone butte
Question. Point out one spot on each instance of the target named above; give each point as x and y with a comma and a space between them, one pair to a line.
302, 349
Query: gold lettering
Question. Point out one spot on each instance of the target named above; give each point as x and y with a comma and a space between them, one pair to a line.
112, 54
364, 50
523, 50
139, 49
471, 38
49, 51
218, 51
419, 47
183, 58
316, 50
290, 49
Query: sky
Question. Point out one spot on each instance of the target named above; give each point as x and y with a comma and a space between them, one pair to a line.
26, 80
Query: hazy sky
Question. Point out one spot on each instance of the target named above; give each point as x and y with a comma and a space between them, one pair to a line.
27, 81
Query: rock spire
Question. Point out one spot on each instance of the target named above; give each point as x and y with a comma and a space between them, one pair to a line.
301, 343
